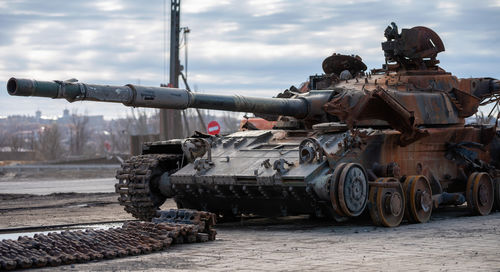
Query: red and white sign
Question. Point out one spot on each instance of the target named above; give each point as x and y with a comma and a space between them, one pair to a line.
107, 146
213, 128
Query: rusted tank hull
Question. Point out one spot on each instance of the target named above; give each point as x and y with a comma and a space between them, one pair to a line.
428, 155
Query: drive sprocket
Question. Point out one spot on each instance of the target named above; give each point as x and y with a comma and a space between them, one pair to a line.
138, 181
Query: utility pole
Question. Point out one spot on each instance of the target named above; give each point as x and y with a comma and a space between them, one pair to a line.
170, 120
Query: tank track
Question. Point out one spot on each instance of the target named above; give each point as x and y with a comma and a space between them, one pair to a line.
135, 185
133, 238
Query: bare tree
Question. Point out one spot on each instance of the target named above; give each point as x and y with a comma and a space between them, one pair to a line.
16, 142
79, 133
187, 129
102, 140
138, 121
481, 119
119, 135
4, 138
120, 140
49, 145
230, 122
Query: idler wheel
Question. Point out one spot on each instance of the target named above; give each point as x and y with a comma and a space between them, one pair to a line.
353, 189
418, 194
386, 202
480, 193
334, 185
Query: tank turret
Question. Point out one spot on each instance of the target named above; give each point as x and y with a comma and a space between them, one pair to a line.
392, 140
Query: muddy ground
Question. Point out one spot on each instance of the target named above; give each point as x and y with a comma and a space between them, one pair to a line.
452, 240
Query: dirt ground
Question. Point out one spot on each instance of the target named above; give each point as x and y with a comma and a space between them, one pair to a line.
24, 210
452, 240
59, 174
54, 209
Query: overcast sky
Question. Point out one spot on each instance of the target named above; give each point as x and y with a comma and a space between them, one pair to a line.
248, 47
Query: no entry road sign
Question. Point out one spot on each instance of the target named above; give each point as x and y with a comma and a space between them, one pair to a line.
213, 128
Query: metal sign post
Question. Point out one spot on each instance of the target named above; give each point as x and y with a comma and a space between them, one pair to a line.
170, 120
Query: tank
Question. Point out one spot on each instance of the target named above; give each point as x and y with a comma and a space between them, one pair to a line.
391, 143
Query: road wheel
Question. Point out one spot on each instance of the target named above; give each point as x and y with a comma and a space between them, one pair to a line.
386, 202
418, 195
353, 190
480, 193
334, 185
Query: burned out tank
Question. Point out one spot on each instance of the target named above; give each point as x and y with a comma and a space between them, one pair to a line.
391, 142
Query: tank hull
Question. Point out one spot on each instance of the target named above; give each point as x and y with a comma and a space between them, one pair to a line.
237, 181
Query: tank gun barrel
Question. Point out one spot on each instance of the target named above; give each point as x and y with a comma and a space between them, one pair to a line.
158, 97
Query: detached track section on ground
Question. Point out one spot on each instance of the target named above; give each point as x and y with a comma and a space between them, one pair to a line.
133, 238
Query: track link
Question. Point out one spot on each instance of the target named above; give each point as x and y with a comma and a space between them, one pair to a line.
137, 179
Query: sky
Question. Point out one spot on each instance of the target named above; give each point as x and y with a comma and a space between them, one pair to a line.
256, 48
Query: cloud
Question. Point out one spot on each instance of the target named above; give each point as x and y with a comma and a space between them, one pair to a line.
260, 8
201, 6
109, 5
495, 3
249, 47
448, 8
